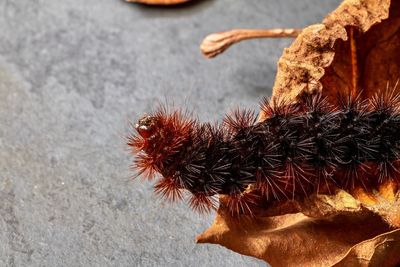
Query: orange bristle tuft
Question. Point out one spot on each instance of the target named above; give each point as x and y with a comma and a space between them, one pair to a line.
136, 143
146, 167
168, 189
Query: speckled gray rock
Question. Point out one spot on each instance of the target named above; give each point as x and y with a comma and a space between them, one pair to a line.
72, 75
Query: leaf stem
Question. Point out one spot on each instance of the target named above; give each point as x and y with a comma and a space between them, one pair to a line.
354, 62
216, 43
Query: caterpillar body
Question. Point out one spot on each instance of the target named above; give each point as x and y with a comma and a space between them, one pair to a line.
299, 149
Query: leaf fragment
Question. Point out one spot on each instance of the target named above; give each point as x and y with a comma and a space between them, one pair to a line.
158, 2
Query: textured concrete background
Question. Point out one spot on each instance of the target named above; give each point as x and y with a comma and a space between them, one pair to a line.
72, 74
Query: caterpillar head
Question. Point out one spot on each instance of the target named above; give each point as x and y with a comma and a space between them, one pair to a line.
157, 138
147, 126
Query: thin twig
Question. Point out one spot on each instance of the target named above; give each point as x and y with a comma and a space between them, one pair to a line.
216, 43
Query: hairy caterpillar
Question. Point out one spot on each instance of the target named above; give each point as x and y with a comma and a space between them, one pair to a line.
298, 149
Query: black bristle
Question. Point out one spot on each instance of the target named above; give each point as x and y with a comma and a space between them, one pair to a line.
385, 122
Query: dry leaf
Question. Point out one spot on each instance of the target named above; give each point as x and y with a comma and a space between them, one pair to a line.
382, 250
357, 47
158, 2
322, 230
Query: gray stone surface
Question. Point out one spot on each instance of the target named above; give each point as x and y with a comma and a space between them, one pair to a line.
72, 74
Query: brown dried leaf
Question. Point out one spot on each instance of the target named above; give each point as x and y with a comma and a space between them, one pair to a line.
322, 230
159, 2
385, 202
356, 47
382, 250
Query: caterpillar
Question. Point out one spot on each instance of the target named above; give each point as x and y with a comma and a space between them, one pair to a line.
296, 150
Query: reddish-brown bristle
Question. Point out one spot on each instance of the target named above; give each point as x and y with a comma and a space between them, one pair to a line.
270, 184
136, 143
242, 203
202, 203
176, 126
277, 107
176, 121
168, 189
146, 166
355, 175
298, 177
387, 100
387, 170
239, 119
